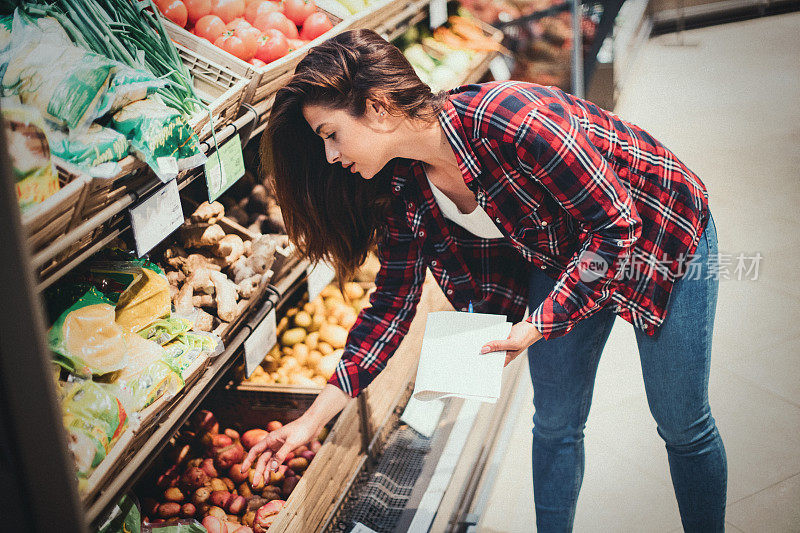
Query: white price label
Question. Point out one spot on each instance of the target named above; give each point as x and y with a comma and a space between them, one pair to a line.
153, 219
423, 417
167, 168
437, 13
319, 276
499, 69
261, 341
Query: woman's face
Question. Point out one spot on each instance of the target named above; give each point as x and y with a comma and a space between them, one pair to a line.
360, 144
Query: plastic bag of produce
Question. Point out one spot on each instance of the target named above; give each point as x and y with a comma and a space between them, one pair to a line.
129, 85
187, 347
70, 95
145, 300
86, 338
94, 417
165, 330
97, 151
125, 517
182, 526
159, 136
29, 148
116, 270
146, 376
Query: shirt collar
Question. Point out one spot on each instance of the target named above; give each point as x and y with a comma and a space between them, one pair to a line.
458, 139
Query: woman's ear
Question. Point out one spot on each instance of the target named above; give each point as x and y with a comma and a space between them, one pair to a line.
376, 109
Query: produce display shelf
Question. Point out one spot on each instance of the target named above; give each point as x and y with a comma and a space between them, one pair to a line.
183, 406
87, 237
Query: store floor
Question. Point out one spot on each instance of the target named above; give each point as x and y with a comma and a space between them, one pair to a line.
728, 103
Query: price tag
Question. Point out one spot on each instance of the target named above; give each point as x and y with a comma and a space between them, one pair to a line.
499, 69
261, 341
224, 167
319, 276
423, 417
437, 13
153, 219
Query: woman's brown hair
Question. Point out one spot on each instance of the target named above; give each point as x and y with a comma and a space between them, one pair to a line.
330, 213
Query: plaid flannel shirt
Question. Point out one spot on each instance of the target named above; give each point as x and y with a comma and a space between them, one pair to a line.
595, 202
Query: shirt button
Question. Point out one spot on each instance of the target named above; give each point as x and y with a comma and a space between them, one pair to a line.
421, 233
411, 205
497, 219
480, 195
434, 262
544, 222
543, 267
449, 292
397, 188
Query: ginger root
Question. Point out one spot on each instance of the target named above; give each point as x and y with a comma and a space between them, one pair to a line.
200, 235
226, 292
210, 213
230, 248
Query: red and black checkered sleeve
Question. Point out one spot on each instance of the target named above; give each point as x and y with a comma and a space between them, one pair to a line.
555, 151
381, 327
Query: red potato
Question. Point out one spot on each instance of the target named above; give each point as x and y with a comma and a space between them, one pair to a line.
208, 467
205, 421
214, 524
266, 515
232, 433
194, 478
244, 490
300, 449
197, 462
308, 455
230, 455
236, 505
254, 436
169, 510
188, 510
289, 457
288, 485
236, 474
219, 512
274, 426
168, 478
219, 498
229, 484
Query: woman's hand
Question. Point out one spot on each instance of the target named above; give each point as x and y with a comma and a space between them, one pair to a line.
521, 337
277, 445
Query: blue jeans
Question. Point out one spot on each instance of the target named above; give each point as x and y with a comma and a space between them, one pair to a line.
675, 365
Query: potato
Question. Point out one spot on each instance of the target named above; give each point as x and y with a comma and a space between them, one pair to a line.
219, 498
325, 348
218, 512
252, 437
237, 505
249, 517
293, 336
271, 492
288, 485
169, 510
298, 464
313, 358
286, 351
317, 319
319, 381
173, 494
201, 496
232, 519
229, 484
334, 335
348, 319
312, 339
353, 291
188, 510
215, 524
251, 479
302, 320
331, 291
217, 485
301, 353
236, 475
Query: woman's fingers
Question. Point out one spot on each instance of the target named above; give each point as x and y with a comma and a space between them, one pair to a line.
496, 346
261, 467
254, 452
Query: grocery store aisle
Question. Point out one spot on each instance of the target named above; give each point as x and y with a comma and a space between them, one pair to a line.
728, 103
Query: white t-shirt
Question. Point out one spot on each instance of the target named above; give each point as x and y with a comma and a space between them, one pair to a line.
478, 222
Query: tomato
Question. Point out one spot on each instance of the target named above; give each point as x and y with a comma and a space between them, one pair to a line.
315, 25
255, 8
209, 27
294, 44
236, 23
249, 36
298, 10
276, 21
228, 10
197, 9
271, 46
257, 63
174, 11
232, 44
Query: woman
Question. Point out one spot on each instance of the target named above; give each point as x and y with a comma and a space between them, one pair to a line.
512, 194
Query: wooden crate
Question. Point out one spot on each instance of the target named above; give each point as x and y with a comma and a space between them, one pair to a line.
55, 216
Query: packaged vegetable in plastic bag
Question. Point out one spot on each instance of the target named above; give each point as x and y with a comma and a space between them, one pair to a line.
145, 300
159, 136
129, 85
125, 517
146, 376
86, 338
70, 95
181, 526
36, 179
187, 347
97, 151
94, 417
165, 330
